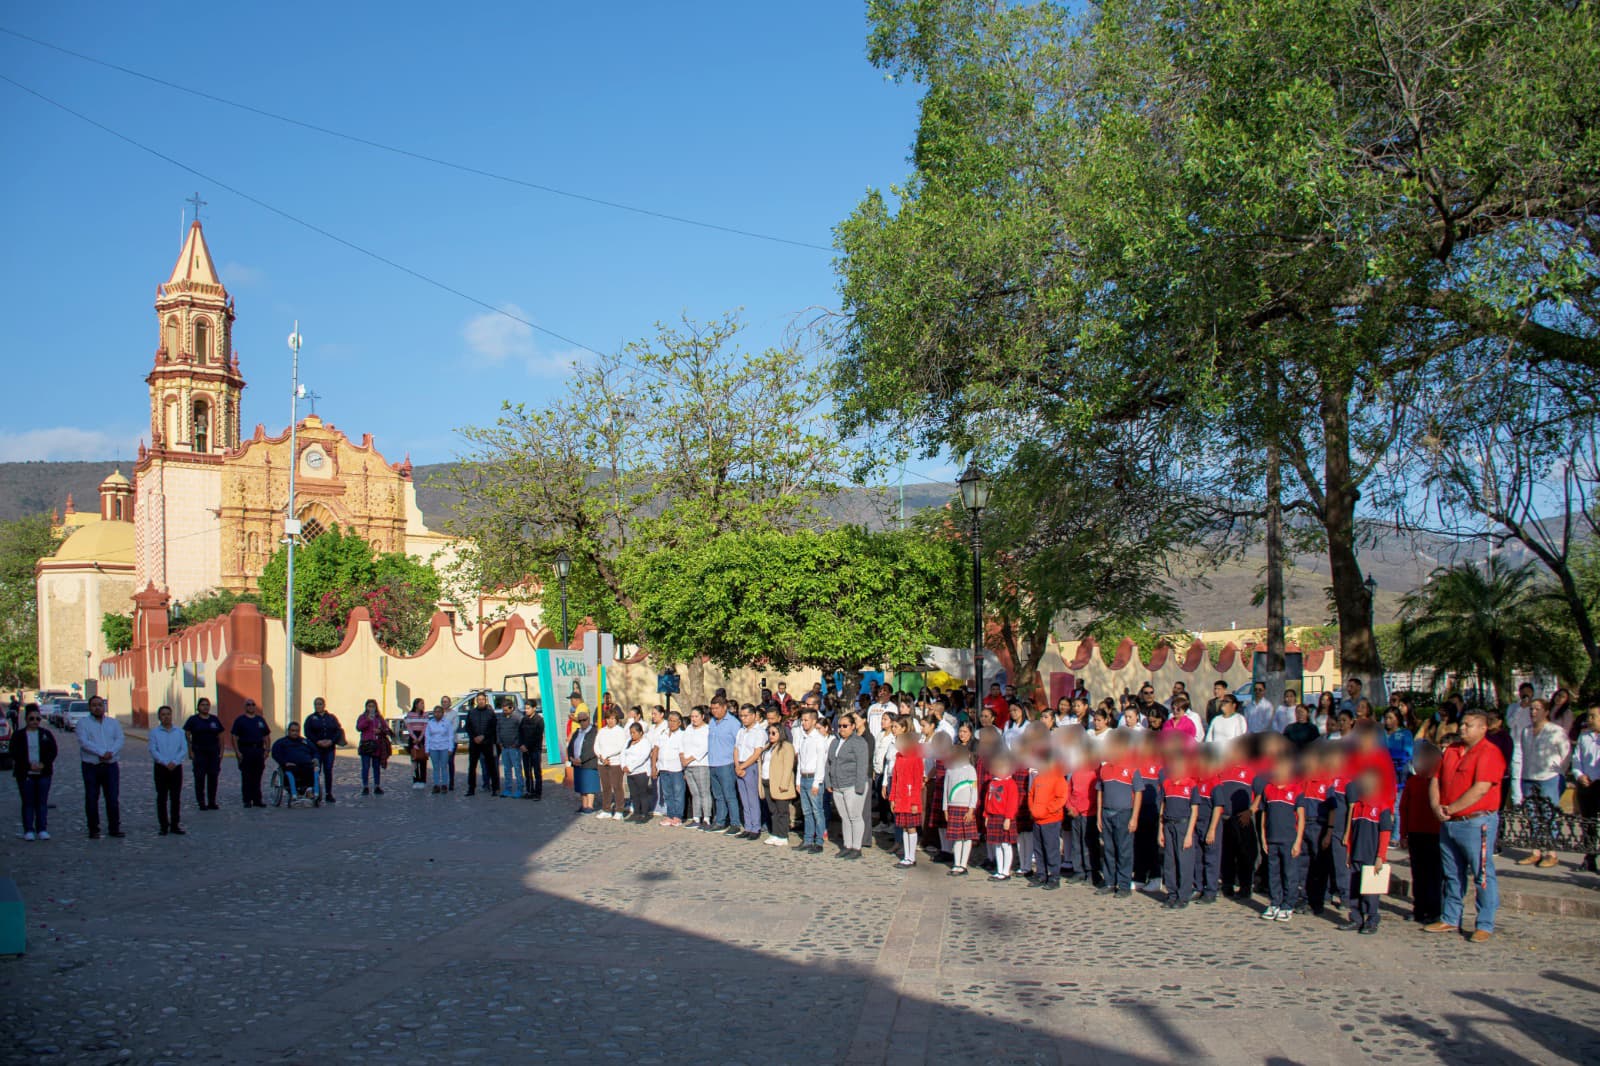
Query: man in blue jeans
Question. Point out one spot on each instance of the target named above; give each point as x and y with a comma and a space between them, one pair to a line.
1465, 795
811, 772
723, 735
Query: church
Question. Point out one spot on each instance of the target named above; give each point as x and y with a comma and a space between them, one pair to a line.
205, 507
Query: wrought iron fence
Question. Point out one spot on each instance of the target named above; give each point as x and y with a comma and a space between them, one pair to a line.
1540, 825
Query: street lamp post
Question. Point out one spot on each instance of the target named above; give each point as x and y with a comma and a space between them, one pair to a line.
291, 530
563, 568
975, 497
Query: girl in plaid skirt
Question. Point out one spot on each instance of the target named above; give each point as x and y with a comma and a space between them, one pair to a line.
1001, 802
960, 806
905, 793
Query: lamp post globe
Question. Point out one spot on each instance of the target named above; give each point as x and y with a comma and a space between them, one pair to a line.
563, 568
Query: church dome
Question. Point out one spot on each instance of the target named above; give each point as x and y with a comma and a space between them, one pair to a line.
99, 542
116, 479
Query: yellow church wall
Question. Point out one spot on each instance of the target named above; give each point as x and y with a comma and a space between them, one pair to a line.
179, 528
72, 603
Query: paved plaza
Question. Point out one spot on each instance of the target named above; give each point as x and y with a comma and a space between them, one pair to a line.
410, 928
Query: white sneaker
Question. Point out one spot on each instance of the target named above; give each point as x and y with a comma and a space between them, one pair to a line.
1285, 915
777, 842
1270, 914
416, 785
616, 816
43, 835
27, 836
602, 814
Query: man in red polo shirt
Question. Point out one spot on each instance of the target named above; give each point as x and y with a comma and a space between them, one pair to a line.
1465, 796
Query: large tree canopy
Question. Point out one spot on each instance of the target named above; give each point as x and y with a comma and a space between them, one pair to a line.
1225, 225
673, 440
844, 599
23, 542
338, 572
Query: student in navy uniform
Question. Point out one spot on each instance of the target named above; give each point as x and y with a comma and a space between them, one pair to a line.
1371, 826
1147, 858
250, 735
1317, 779
1233, 824
1176, 834
1121, 793
1283, 827
1332, 879
1207, 879
205, 749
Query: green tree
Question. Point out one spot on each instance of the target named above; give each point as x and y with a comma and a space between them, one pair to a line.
672, 441
844, 599
23, 542
213, 603
338, 572
1172, 216
118, 631
1482, 622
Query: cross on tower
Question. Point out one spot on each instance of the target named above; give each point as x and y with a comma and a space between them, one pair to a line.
312, 399
198, 204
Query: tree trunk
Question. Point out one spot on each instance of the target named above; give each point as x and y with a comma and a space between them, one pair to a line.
1027, 666
1276, 661
1358, 650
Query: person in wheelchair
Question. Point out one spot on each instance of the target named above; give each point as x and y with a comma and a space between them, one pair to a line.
297, 760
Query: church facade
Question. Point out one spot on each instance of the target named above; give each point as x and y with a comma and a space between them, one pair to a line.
206, 506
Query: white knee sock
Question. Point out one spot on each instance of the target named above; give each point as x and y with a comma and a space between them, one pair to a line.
963, 848
1003, 859
910, 838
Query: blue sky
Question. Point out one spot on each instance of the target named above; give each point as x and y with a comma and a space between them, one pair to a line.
760, 116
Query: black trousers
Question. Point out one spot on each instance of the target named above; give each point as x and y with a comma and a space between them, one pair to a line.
533, 770
1146, 850
485, 754
102, 779
1239, 849
169, 790
1427, 876
640, 793
252, 764
206, 768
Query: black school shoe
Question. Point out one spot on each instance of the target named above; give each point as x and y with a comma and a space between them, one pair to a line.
1350, 926
1104, 890
1368, 930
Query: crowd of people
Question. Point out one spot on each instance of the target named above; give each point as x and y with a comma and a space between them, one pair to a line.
1298, 803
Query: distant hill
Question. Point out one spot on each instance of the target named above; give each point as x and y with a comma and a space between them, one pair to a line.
1207, 601
32, 488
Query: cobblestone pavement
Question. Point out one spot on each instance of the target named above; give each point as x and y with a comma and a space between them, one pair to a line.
410, 928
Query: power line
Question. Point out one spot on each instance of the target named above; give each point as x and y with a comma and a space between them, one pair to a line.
408, 153
435, 282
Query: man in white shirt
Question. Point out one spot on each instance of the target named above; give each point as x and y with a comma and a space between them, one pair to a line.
1518, 717
169, 746
747, 745
99, 749
1259, 716
885, 704
811, 772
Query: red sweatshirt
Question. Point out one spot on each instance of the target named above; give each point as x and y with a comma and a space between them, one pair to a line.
905, 782
1416, 813
1001, 799
1081, 790
1047, 797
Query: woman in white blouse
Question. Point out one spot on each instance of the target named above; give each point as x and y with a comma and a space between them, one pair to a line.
608, 746
696, 774
669, 769
636, 760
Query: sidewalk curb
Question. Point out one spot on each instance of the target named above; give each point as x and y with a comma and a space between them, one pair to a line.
1512, 899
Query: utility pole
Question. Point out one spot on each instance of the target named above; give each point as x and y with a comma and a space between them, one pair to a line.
291, 530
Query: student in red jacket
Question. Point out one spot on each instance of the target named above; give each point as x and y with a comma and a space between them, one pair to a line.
1001, 801
1079, 825
905, 793
1047, 802
1419, 835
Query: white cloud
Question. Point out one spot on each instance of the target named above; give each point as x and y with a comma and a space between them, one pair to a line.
496, 340
236, 274
66, 443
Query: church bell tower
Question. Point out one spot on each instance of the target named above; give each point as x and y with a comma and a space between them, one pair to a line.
195, 383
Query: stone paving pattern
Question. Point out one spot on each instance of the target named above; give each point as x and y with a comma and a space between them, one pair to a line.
410, 928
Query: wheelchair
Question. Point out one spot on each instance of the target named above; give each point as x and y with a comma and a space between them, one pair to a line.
285, 793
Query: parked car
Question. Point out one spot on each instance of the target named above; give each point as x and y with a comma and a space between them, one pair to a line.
460, 704
76, 712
